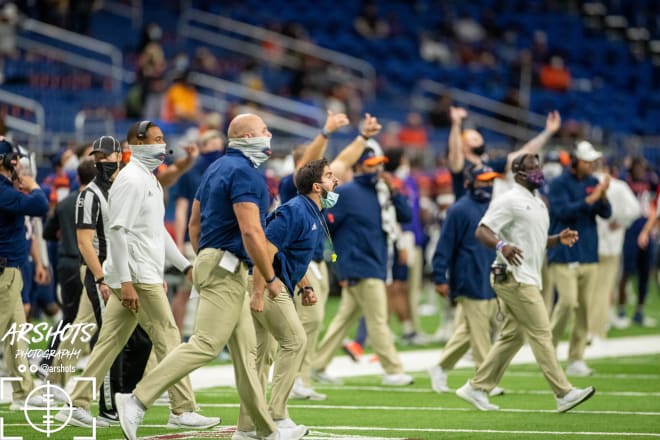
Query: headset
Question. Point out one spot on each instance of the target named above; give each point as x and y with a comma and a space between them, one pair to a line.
142, 129
7, 158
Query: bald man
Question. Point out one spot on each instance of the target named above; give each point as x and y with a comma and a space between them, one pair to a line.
468, 145
226, 232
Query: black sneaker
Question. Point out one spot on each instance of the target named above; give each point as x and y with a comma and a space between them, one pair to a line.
111, 417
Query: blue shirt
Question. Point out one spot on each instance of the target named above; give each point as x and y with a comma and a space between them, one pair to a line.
357, 233
294, 228
229, 180
568, 209
14, 206
186, 187
460, 260
288, 191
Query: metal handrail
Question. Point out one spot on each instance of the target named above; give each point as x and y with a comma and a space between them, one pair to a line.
37, 128
366, 72
267, 99
82, 117
116, 71
482, 103
272, 120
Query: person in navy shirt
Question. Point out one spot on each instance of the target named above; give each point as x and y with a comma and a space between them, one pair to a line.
575, 199
226, 231
20, 195
364, 225
293, 232
461, 270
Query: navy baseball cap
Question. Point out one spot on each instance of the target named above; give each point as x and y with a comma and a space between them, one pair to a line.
481, 173
6, 147
106, 145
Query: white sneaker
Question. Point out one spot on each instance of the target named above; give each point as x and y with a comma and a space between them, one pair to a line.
497, 391
399, 379
438, 379
574, 397
476, 397
621, 322
289, 433
244, 435
130, 414
323, 377
289, 424
192, 420
35, 401
301, 392
79, 417
578, 368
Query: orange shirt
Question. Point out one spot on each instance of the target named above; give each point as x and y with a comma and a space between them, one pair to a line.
180, 102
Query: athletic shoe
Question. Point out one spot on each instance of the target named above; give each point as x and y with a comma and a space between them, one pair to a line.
79, 417
578, 368
130, 414
19, 404
301, 392
476, 397
110, 417
244, 435
438, 379
415, 339
288, 424
573, 398
323, 377
497, 391
400, 379
192, 420
295, 433
645, 321
353, 350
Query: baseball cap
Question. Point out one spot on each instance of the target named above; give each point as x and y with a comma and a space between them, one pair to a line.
481, 173
106, 145
6, 147
585, 151
370, 158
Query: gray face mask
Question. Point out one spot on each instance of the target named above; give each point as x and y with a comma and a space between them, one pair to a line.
149, 155
257, 149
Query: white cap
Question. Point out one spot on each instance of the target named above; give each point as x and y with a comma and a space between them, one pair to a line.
585, 151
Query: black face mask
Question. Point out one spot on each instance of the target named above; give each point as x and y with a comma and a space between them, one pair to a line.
106, 170
480, 150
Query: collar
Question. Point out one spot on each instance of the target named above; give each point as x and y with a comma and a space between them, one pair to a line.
313, 205
141, 166
5, 180
236, 152
527, 192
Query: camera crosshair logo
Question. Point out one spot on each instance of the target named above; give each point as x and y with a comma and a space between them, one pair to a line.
50, 407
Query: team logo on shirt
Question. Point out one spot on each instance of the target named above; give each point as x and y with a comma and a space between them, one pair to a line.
314, 228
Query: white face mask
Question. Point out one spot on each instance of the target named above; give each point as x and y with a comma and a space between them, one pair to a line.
71, 163
257, 149
149, 155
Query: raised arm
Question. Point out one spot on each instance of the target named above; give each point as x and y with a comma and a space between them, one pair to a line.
316, 149
455, 155
352, 152
534, 146
171, 174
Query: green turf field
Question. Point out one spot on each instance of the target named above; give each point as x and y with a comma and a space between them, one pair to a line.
626, 405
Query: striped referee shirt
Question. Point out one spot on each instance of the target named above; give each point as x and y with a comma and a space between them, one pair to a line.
92, 213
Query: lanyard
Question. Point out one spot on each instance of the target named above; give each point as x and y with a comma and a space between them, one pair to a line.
324, 225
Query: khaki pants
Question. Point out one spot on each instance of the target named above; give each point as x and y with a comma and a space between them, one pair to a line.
367, 298
277, 324
415, 285
223, 318
548, 291
311, 317
473, 326
155, 317
575, 285
12, 313
526, 315
84, 316
608, 271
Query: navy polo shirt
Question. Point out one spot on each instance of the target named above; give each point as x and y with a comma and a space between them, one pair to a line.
295, 228
460, 260
14, 206
230, 179
458, 179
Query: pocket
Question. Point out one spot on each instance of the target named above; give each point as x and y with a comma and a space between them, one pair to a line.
204, 265
7, 279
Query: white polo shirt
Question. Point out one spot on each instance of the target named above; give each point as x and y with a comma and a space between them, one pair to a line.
136, 207
625, 210
521, 218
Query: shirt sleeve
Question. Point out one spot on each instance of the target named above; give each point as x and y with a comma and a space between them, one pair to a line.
87, 210
125, 196
34, 204
245, 187
445, 248
498, 215
283, 228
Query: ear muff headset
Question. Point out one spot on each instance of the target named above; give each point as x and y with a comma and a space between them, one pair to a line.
7, 158
142, 129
